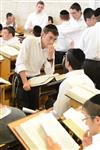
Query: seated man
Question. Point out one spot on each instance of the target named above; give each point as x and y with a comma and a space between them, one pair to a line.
64, 41
8, 37
91, 139
7, 115
75, 76
37, 31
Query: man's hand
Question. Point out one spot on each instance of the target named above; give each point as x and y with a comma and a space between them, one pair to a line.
87, 139
26, 86
51, 52
51, 145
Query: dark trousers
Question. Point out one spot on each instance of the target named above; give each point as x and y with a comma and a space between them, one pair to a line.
92, 69
29, 99
59, 57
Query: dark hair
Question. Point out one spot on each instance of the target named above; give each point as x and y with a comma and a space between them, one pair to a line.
64, 14
76, 6
75, 57
97, 12
9, 15
92, 106
37, 31
40, 2
10, 30
88, 13
1, 26
50, 18
51, 28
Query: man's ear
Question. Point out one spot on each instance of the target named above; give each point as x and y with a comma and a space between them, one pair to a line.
43, 34
97, 120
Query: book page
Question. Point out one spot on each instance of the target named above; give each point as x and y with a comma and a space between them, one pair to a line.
4, 81
89, 88
32, 133
1, 58
60, 77
8, 51
40, 80
4, 111
76, 116
80, 94
56, 131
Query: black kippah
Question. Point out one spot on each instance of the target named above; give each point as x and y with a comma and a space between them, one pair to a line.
95, 99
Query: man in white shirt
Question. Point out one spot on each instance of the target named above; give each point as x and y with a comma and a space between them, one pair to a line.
64, 41
37, 18
77, 22
91, 139
76, 76
10, 21
8, 37
90, 44
35, 53
89, 17
97, 14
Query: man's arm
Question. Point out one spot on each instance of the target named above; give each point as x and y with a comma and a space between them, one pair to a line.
28, 25
21, 62
26, 85
49, 64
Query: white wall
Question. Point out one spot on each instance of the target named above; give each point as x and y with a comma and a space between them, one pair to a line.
22, 8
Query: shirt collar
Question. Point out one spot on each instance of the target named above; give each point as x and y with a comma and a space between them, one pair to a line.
75, 72
96, 138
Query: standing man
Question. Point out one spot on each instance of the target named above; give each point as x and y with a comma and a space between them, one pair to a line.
89, 17
64, 41
37, 18
10, 20
77, 23
35, 52
90, 44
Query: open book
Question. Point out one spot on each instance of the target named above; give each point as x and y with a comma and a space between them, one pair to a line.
44, 79
1, 58
33, 132
8, 51
82, 93
74, 120
3, 81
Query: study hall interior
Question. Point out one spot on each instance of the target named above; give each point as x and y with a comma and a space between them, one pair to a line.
49, 74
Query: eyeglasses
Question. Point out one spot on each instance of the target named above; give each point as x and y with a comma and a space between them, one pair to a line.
92, 117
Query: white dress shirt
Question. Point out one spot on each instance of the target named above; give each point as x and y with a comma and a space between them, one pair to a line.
77, 28
63, 42
90, 42
32, 57
73, 78
40, 19
12, 25
95, 144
